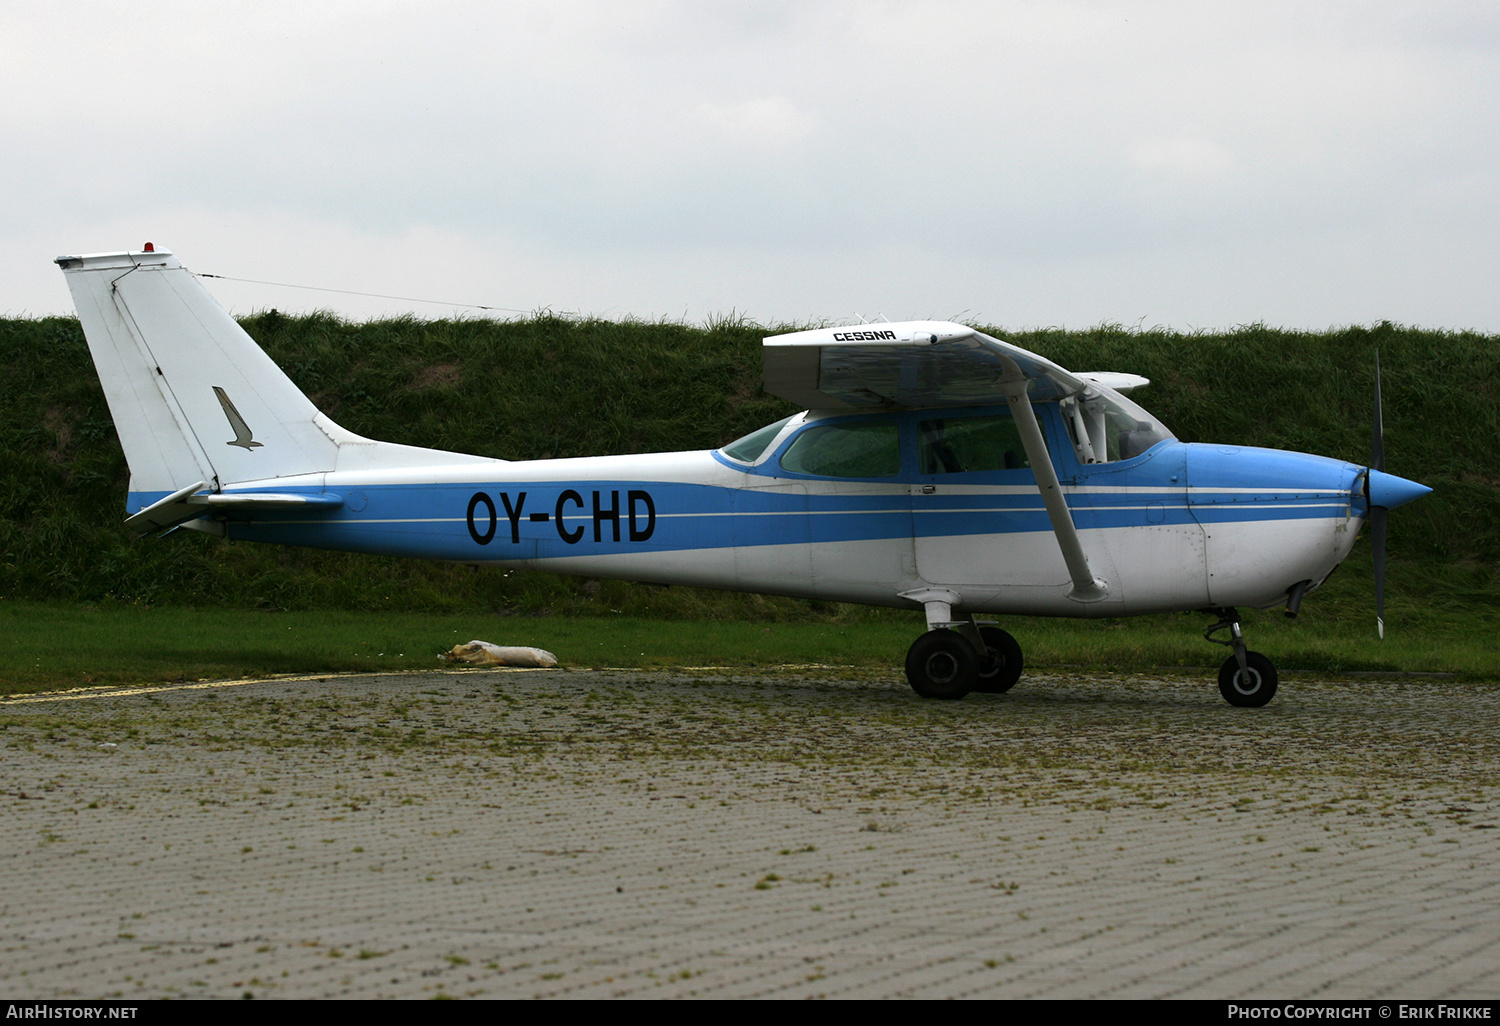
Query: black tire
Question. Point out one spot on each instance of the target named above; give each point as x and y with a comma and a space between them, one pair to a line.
1254, 688
942, 664
1000, 666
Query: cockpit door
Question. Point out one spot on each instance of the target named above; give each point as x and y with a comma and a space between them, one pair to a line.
977, 516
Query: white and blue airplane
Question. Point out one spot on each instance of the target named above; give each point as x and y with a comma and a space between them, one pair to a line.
936, 468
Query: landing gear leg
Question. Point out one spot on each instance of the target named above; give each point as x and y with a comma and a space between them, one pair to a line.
1245, 678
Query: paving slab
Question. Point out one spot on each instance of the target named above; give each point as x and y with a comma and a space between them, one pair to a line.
810, 832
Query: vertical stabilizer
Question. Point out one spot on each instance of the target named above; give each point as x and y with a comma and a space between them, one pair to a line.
193, 398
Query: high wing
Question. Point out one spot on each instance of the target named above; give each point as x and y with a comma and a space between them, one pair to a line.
913, 364
924, 364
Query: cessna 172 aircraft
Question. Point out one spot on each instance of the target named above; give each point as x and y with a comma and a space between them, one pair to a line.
936, 468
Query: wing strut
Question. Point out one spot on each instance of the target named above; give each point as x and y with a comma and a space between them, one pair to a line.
1086, 587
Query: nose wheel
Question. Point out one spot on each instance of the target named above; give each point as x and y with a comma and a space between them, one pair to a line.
1246, 678
1252, 685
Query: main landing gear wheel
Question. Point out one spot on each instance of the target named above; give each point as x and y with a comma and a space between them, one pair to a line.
1252, 686
1000, 666
942, 664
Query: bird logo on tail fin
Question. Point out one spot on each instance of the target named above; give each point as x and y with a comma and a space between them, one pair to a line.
243, 437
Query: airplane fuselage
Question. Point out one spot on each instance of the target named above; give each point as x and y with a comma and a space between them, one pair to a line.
1180, 526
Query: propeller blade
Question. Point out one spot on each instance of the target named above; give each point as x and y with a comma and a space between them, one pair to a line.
1377, 539
1383, 492
1377, 513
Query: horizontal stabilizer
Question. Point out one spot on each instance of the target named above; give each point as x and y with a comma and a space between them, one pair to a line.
167, 513
190, 502
255, 501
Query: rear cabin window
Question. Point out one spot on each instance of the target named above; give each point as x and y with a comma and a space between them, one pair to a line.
868, 449
969, 444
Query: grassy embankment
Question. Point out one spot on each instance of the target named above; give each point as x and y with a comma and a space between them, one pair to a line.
82, 600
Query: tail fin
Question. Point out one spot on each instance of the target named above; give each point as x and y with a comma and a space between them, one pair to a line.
194, 399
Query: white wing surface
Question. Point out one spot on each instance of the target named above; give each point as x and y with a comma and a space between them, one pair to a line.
911, 364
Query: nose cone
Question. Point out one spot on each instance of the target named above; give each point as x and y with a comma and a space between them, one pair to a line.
1390, 491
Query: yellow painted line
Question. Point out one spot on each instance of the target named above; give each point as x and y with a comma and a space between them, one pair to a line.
118, 691
126, 691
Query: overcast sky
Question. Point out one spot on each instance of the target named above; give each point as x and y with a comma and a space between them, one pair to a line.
1021, 164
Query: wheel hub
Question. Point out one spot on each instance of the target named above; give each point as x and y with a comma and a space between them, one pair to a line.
942, 668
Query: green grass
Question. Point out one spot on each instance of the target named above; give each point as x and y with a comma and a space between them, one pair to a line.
53, 645
46, 646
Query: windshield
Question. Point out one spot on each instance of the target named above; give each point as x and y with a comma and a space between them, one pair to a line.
751, 447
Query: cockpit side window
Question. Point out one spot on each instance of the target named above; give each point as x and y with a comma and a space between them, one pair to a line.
859, 449
968, 444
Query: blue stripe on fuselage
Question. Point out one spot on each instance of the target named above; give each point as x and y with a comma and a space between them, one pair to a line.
553, 519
